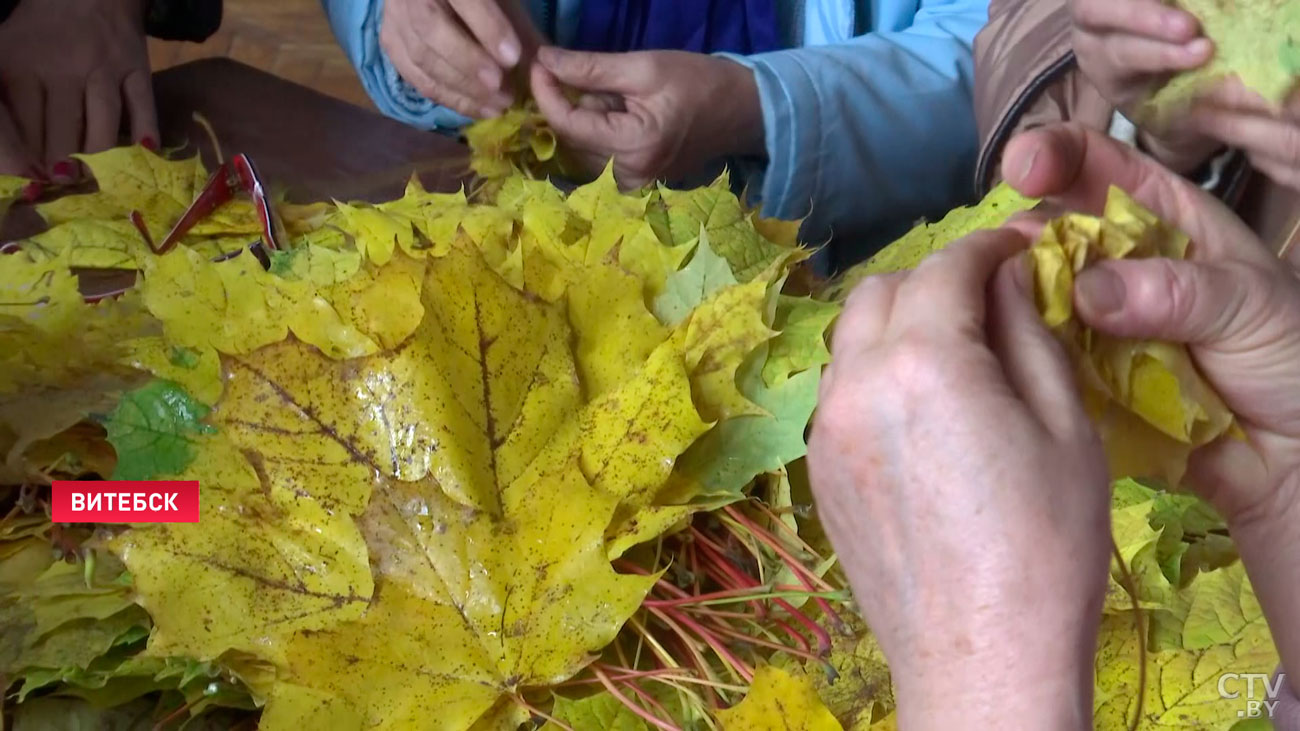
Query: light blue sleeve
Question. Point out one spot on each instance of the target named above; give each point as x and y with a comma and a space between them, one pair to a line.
866, 136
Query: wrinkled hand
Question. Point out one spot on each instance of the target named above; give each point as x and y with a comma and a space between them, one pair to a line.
459, 53
69, 69
1129, 48
1236, 306
959, 480
658, 114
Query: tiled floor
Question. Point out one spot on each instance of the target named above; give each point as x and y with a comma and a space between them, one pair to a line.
289, 38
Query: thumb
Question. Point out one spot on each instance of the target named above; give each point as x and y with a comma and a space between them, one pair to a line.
1198, 303
608, 72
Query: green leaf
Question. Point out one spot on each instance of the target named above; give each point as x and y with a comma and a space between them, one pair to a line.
602, 712
686, 289
801, 344
737, 450
152, 429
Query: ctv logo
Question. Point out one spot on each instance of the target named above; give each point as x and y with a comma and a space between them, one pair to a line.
1258, 705
125, 502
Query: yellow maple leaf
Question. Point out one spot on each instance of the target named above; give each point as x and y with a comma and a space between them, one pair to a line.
1255, 40
779, 701
264, 562
1151, 405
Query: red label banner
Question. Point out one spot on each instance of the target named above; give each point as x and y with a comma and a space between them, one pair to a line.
125, 502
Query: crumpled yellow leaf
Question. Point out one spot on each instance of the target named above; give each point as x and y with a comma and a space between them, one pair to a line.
779, 701
1224, 632
926, 238
1255, 40
517, 141
1151, 405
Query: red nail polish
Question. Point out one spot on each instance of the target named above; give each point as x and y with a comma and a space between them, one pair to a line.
150, 144
34, 172
32, 192
63, 169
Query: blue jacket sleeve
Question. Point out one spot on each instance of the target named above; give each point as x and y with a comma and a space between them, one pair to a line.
866, 136
356, 27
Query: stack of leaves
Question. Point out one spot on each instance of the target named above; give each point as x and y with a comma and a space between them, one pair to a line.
422, 434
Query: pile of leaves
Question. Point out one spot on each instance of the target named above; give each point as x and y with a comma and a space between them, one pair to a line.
514, 459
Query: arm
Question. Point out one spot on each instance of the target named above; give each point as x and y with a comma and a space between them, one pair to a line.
892, 108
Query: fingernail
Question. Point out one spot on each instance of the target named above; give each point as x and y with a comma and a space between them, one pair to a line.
1027, 168
149, 144
510, 52
32, 191
1199, 48
1100, 290
63, 169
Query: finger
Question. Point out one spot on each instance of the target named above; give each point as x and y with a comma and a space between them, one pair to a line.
25, 98
103, 114
577, 126
1137, 56
1076, 166
15, 159
1257, 134
945, 295
1177, 301
65, 108
432, 88
624, 73
1033, 360
448, 53
865, 318
1232, 94
1149, 18
137, 91
1283, 172
490, 26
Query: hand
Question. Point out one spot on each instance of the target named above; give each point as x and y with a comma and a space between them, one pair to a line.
458, 53
1129, 48
658, 114
68, 70
1236, 306
959, 480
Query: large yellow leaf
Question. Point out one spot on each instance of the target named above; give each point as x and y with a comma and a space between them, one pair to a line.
1255, 40
265, 562
1151, 404
779, 701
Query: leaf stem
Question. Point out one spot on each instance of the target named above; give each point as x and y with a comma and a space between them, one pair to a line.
645, 715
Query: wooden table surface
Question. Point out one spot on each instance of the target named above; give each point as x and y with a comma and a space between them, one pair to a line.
311, 145
315, 146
